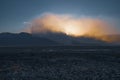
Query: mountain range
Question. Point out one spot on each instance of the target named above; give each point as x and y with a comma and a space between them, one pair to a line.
23, 39
49, 39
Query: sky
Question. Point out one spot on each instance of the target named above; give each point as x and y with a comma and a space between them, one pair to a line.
15, 13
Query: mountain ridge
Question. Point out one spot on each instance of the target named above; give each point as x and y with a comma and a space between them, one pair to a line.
23, 39
49, 39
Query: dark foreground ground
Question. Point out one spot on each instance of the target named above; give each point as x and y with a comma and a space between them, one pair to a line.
60, 63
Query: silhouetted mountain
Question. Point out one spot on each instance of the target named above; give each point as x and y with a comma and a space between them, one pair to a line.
23, 39
68, 40
46, 39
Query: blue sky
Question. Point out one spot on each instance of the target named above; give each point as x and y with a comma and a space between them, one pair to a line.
13, 13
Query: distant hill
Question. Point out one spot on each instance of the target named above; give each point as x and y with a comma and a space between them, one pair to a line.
23, 39
49, 39
68, 40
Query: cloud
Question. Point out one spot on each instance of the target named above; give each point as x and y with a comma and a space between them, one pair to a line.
72, 26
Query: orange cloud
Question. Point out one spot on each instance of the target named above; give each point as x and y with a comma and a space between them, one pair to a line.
87, 27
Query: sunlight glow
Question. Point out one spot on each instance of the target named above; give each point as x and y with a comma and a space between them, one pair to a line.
69, 25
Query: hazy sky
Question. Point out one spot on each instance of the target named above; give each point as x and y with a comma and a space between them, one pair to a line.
13, 13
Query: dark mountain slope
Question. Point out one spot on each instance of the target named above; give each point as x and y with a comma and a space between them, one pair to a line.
23, 39
48, 39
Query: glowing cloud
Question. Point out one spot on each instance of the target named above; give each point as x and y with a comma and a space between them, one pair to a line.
69, 25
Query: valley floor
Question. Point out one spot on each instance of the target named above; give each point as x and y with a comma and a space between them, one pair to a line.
60, 63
